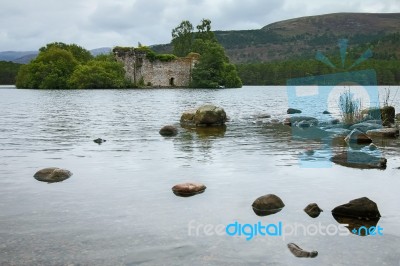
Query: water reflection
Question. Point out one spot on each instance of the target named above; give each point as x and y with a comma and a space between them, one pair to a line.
360, 227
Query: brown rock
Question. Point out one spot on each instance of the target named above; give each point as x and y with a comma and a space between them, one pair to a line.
313, 210
356, 136
361, 208
188, 189
361, 160
384, 133
168, 131
52, 175
267, 204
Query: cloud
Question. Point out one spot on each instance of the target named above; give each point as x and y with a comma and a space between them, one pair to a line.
28, 25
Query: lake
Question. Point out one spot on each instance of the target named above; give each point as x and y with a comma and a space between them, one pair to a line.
118, 207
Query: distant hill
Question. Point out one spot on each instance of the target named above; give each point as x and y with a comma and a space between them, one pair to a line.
302, 37
26, 56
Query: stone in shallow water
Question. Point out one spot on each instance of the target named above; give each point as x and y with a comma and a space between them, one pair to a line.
361, 208
52, 175
210, 115
358, 137
267, 204
383, 133
188, 189
168, 131
358, 159
99, 141
313, 210
293, 111
301, 253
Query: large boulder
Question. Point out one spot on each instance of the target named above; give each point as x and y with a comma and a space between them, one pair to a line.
358, 159
293, 111
364, 127
52, 175
188, 189
358, 137
383, 133
206, 115
386, 114
267, 204
361, 208
210, 115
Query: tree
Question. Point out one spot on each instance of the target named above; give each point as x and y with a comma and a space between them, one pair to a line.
182, 37
50, 70
79, 53
204, 31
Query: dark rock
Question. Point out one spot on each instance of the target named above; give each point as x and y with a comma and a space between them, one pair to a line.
210, 115
168, 131
361, 208
335, 121
361, 160
386, 114
383, 133
99, 141
188, 189
356, 226
326, 112
313, 210
267, 204
364, 127
296, 119
293, 111
301, 253
356, 136
304, 124
52, 175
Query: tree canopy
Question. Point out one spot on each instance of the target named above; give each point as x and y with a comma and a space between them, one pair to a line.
69, 66
213, 68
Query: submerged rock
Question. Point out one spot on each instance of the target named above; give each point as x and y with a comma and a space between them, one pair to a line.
267, 204
188, 189
358, 159
293, 111
386, 114
372, 147
358, 137
301, 253
168, 131
326, 112
296, 119
52, 175
364, 127
384, 133
361, 208
313, 210
99, 141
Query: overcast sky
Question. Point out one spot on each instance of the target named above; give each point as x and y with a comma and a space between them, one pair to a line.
29, 24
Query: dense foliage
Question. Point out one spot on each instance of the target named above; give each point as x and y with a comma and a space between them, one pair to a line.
213, 68
277, 73
8, 72
69, 66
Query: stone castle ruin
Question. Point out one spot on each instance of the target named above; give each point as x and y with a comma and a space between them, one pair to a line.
145, 71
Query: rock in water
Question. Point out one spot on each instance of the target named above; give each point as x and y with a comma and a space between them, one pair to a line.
301, 253
326, 112
187, 118
168, 131
267, 204
356, 136
293, 111
358, 159
313, 210
383, 133
361, 208
52, 175
99, 141
210, 115
188, 189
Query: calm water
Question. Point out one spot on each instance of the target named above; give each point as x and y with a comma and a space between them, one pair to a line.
118, 208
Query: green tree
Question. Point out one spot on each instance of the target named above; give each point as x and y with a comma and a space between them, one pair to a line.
182, 37
98, 74
50, 70
79, 53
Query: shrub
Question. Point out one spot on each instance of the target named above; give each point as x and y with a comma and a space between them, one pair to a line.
350, 108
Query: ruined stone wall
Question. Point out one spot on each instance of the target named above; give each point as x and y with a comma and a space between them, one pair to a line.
175, 73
